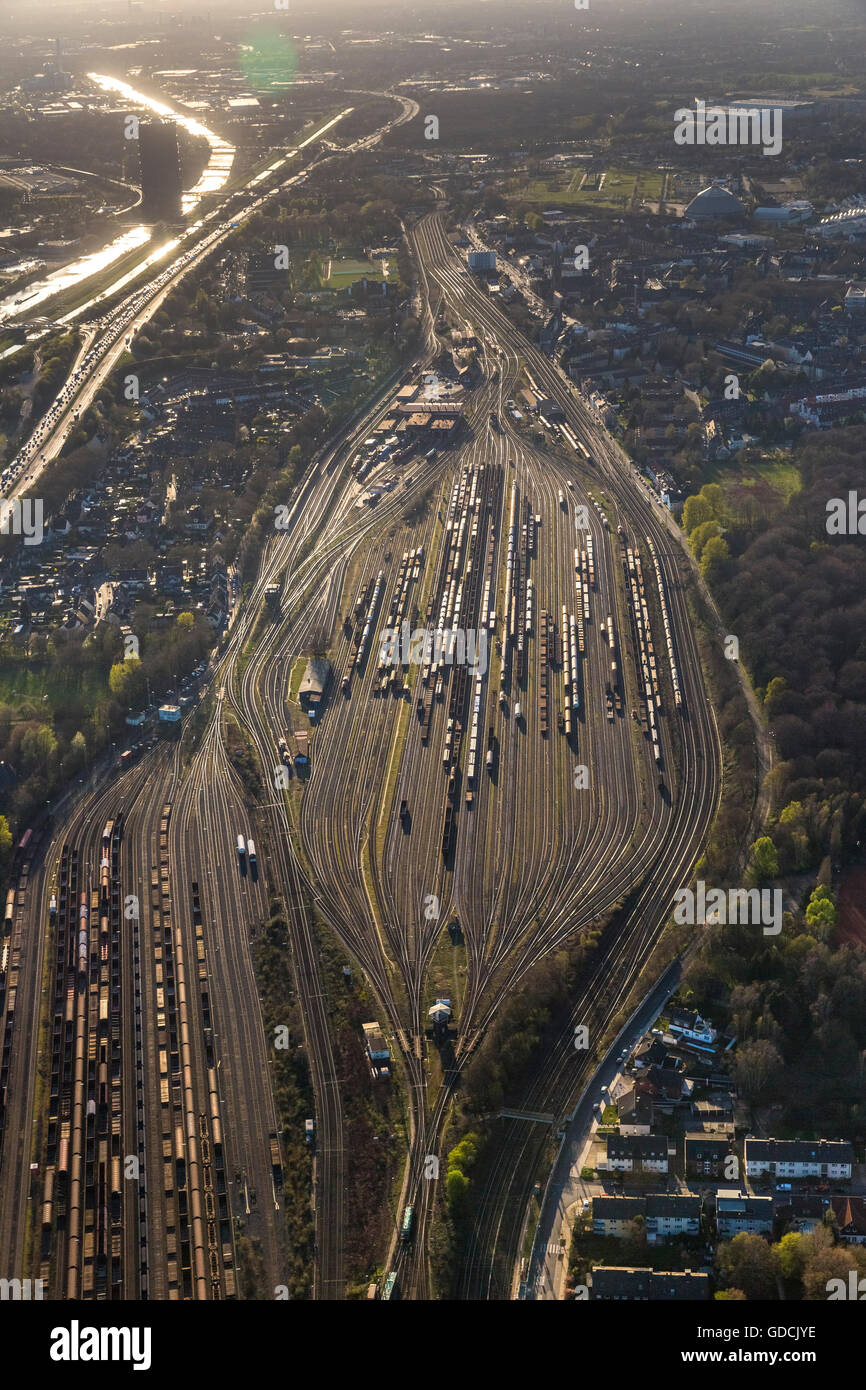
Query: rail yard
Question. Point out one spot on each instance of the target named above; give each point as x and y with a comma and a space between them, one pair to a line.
515, 740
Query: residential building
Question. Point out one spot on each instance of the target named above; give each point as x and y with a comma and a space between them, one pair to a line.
737, 1211
666, 1087
672, 1214
635, 1113
705, 1154
850, 1214
636, 1153
650, 1054
629, 1283
803, 1212
717, 1109
823, 411
612, 1216
691, 1027
799, 1158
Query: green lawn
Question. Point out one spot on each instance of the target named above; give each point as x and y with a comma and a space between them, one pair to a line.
612, 188
21, 681
779, 472
296, 677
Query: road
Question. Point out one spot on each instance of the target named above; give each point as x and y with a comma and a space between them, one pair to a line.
549, 1262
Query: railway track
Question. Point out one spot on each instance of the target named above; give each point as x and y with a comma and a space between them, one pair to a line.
401, 828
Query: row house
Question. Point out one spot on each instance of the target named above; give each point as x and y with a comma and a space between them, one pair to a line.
672, 1214
612, 1216
799, 1158
665, 1215
636, 1153
633, 1283
705, 1154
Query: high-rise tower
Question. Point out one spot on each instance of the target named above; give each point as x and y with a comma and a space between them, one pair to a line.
161, 187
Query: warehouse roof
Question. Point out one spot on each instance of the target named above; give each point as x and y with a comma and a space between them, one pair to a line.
316, 676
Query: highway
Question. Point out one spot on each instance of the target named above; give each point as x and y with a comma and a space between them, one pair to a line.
113, 334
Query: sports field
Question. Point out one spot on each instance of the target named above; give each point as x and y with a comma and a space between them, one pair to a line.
340, 272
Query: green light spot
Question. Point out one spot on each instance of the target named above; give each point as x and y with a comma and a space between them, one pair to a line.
268, 61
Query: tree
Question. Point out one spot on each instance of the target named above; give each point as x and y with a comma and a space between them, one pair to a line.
456, 1190
39, 748
701, 534
748, 1263
824, 1264
758, 1068
5, 840
126, 680
77, 752
821, 913
186, 621
696, 512
635, 1238
765, 860
118, 678
791, 1255
715, 560
774, 691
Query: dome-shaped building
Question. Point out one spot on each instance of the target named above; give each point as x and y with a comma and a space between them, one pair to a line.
715, 201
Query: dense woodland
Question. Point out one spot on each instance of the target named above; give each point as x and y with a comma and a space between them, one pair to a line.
793, 593
795, 596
